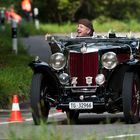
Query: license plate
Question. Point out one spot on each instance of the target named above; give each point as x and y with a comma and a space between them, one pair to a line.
81, 105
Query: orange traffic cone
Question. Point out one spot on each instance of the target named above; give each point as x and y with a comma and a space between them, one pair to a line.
15, 114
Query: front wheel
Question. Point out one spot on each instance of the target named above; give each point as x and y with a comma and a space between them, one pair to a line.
131, 97
72, 116
39, 105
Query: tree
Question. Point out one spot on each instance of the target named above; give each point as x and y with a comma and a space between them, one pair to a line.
60, 11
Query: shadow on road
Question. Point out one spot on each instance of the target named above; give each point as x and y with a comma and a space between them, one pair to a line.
93, 119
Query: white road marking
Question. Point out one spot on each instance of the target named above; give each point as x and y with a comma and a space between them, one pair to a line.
30, 119
51, 115
122, 136
56, 114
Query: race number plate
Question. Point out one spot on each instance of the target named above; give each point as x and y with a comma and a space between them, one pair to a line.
81, 105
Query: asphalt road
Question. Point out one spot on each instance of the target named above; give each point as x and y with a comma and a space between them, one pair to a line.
97, 126
37, 46
110, 126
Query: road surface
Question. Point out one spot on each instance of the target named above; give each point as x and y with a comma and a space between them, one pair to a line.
37, 46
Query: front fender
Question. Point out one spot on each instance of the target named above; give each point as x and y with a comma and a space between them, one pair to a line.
37, 66
115, 79
47, 71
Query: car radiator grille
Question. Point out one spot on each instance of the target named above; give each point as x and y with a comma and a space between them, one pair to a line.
82, 65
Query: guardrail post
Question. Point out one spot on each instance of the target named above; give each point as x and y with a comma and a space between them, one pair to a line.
14, 36
36, 20
2, 19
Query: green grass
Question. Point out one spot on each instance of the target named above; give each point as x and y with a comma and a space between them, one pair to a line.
44, 132
100, 25
117, 26
56, 28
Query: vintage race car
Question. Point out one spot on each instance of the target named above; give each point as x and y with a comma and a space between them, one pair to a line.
89, 74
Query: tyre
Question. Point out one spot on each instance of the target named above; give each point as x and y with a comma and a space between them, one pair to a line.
131, 97
72, 116
39, 105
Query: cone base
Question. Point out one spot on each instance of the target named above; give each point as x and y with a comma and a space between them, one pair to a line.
16, 117
9, 120
58, 110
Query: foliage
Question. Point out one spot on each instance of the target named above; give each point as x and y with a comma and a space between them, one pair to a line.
60, 11
63, 10
9, 3
28, 28
69, 6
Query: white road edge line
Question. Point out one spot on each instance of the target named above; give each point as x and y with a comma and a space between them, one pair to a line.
51, 115
122, 136
30, 119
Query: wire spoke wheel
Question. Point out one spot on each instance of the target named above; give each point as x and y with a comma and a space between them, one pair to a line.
72, 116
39, 105
131, 97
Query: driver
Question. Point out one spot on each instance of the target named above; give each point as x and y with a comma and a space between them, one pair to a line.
85, 28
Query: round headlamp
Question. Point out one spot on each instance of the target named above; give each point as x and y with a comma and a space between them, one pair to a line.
57, 61
64, 78
100, 79
109, 60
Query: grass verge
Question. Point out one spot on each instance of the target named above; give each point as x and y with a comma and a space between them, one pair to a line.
44, 132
